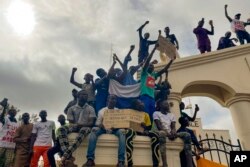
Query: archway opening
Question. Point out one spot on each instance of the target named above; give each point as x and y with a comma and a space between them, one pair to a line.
218, 91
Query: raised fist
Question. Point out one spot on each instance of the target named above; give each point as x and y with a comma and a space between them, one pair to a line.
159, 32
132, 47
74, 69
211, 22
146, 22
226, 6
196, 108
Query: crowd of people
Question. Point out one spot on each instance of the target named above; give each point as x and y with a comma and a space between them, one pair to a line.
22, 144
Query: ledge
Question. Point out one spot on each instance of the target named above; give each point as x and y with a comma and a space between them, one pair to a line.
107, 146
210, 57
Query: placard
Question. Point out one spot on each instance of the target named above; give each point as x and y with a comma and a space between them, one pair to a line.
123, 118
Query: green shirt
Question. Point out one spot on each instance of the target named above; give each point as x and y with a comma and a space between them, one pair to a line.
148, 83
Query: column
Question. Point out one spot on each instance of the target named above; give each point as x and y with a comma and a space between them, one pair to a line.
239, 106
175, 99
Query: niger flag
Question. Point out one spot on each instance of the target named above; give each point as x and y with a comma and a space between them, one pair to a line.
206, 163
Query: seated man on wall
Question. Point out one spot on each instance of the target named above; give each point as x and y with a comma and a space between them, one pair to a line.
139, 106
165, 124
99, 130
184, 124
81, 118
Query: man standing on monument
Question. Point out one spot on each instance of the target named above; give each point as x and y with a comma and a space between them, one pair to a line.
171, 38
201, 33
148, 77
238, 27
144, 43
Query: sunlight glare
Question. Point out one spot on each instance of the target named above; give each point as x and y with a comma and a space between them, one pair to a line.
21, 17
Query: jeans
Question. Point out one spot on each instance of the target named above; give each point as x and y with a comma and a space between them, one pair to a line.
96, 132
243, 35
149, 103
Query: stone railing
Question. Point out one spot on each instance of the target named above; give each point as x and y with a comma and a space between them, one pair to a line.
107, 147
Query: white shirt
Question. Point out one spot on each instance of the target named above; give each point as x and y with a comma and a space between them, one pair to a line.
101, 114
43, 130
237, 25
7, 133
165, 120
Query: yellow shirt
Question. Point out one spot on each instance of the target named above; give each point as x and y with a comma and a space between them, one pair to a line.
147, 119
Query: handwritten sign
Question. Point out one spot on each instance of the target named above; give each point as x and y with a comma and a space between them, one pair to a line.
167, 48
123, 118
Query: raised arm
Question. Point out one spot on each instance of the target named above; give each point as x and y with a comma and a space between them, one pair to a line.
155, 41
140, 29
226, 14
165, 69
212, 28
119, 61
4, 105
145, 67
112, 69
195, 113
72, 78
124, 70
128, 57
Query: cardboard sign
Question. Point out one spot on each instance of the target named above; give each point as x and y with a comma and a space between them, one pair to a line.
123, 118
167, 48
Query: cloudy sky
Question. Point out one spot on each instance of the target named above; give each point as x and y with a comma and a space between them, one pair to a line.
40, 42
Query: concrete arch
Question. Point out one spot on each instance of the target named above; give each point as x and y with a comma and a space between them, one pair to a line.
222, 75
218, 91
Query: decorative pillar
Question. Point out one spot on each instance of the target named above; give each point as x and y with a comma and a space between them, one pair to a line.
239, 106
174, 101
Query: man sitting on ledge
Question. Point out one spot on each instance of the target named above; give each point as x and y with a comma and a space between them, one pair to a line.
99, 130
165, 122
81, 118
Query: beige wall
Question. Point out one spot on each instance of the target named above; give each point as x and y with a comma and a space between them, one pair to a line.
221, 75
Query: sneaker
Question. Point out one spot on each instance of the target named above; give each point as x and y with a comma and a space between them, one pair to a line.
89, 163
120, 164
